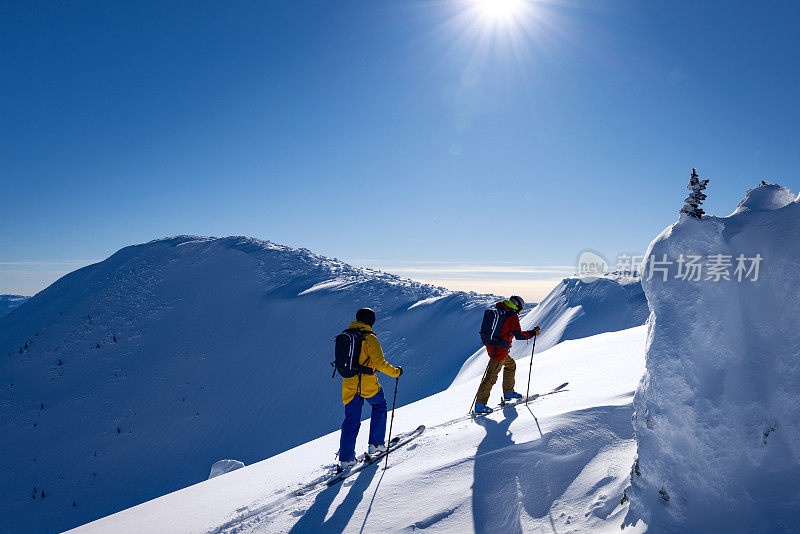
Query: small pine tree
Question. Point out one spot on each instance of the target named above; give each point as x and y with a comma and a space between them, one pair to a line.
696, 197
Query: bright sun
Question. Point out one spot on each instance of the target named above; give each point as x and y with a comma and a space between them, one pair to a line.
500, 10
512, 27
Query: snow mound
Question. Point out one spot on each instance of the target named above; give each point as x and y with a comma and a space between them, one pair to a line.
765, 197
574, 309
224, 466
718, 411
122, 380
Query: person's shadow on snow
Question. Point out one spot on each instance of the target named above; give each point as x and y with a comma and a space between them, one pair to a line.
511, 477
495, 499
313, 519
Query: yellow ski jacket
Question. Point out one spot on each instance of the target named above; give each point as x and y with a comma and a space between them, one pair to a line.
371, 356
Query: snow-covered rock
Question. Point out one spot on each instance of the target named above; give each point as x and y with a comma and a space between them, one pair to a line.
765, 197
574, 309
125, 379
718, 410
224, 466
10, 302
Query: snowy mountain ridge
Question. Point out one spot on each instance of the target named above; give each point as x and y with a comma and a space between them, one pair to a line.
308, 262
129, 378
575, 309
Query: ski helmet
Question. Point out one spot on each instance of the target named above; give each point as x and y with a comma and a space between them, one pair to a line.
366, 316
518, 302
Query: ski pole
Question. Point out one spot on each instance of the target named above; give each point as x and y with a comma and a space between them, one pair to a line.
530, 369
474, 399
389, 442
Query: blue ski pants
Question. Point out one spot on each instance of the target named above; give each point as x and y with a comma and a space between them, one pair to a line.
352, 422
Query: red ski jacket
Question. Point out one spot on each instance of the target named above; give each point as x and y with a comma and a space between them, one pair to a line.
510, 331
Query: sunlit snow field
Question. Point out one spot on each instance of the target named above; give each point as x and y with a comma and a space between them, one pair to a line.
559, 464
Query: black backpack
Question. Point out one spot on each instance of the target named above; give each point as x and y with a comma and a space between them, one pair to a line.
492, 325
346, 353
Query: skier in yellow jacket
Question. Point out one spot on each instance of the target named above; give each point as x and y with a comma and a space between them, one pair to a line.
365, 386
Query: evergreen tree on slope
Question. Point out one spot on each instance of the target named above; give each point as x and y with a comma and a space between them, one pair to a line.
696, 196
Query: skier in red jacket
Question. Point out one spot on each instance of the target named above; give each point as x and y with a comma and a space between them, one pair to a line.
498, 350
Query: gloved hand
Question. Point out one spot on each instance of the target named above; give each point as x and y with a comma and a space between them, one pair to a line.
535, 330
399, 368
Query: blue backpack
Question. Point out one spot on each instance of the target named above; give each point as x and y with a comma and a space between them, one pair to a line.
346, 353
492, 325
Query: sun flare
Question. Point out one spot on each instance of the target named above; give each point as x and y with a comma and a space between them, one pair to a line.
513, 32
499, 10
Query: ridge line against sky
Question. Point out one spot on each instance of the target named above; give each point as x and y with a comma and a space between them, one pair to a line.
531, 282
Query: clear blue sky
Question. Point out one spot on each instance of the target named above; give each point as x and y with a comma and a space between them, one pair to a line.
387, 133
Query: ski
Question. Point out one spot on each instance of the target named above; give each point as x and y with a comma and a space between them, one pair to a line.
515, 402
395, 444
522, 400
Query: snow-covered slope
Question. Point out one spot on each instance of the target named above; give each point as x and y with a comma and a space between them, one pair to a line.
718, 411
143, 370
10, 302
557, 465
575, 309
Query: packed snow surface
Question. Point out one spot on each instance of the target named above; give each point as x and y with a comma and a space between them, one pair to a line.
575, 309
127, 379
718, 411
559, 464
